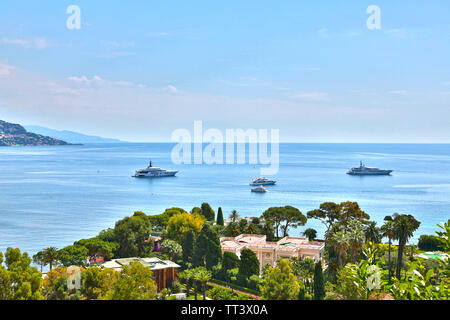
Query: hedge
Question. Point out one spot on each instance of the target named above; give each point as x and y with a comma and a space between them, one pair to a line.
235, 286
429, 243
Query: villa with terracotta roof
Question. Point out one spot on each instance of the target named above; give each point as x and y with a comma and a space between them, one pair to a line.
270, 252
164, 271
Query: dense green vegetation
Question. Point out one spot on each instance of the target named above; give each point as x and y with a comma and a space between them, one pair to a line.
356, 264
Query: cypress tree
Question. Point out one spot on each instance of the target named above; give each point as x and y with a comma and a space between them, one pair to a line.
249, 264
220, 221
319, 289
207, 252
188, 246
208, 212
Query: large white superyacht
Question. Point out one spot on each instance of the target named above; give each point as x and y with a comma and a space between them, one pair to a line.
362, 170
153, 172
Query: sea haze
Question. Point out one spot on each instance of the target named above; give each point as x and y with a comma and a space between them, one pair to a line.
53, 196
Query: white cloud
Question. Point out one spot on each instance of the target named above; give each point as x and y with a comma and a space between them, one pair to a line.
5, 70
172, 88
399, 92
38, 43
85, 80
312, 95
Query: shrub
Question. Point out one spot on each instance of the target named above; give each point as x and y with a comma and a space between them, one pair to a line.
429, 243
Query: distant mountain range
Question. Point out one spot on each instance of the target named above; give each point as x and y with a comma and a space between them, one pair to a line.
12, 134
70, 136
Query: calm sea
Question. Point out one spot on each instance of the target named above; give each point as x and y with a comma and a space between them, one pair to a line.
53, 196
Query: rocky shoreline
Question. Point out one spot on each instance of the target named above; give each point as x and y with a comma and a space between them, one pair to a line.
12, 134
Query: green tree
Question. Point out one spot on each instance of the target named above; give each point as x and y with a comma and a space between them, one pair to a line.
340, 242
96, 282
208, 252
95, 247
249, 263
132, 235
319, 288
208, 212
356, 238
310, 233
280, 283
372, 233
232, 230
186, 278
19, 281
387, 230
134, 283
73, 256
220, 221
203, 276
50, 256
55, 284
234, 216
188, 246
180, 223
404, 227
230, 261
107, 235
38, 259
171, 248
283, 218
328, 213
350, 211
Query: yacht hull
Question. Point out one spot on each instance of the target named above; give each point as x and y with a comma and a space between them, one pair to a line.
377, 173
166, 174
263, 184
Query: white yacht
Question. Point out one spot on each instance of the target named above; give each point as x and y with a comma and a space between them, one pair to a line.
259, 189
152, 171
362, 170
261, 181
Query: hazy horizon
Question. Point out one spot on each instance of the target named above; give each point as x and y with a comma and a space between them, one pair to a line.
315, 71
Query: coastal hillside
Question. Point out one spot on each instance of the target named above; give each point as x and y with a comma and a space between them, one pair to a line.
70, 136
12, 134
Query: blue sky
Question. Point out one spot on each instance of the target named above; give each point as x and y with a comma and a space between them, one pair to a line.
137, 71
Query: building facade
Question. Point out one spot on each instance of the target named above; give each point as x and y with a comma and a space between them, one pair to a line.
270, 252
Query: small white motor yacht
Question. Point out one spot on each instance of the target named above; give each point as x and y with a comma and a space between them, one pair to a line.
261, 181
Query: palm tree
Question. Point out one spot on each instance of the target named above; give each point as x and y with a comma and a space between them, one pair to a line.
234, 216
310, 233
196, 276
340, 243
185, 278
50, 255
372, 233
387, 230
356, 238
251, 229
404, 227
204, 276
38, 259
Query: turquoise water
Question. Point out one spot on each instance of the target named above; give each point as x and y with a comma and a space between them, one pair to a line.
52, 196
